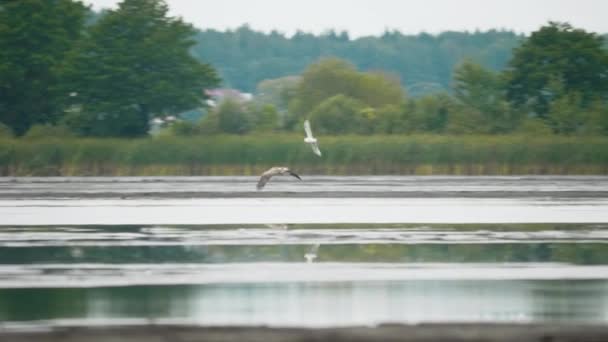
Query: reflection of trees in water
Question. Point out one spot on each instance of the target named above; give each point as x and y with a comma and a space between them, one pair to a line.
30, 304
61, 303
576, 253
550, 300
569, 301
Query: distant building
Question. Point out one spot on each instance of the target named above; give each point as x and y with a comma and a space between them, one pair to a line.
220, 94
215, 96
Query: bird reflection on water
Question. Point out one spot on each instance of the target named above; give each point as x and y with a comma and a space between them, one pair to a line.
311, 255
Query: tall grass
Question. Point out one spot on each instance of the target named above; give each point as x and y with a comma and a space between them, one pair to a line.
245, 155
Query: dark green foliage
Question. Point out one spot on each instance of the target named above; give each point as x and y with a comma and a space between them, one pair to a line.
566, 115
184, 129
107, 120
265, 117
557, 59
338, 115
389, 120
429, 113
115, 78
534, 127
233, 117
339, 99
236, 117
210, 124
332, 76
598, 117
134, 64
482, 94
422, 62
34, 38
5, 131
47, 131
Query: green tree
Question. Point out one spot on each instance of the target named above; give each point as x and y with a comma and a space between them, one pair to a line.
5, 131
184, 129
378, 89
45, 131
320, 81
466, 120
332, 76
567, 116
598, 117
135, 64
34, 38
390, 119
245, 57
560, 52
482, 93
209, 124
265, 117
429, 113
368, 120
534, 127
338, 114
233, 117
277, 91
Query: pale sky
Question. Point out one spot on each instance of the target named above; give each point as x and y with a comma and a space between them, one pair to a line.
372, 17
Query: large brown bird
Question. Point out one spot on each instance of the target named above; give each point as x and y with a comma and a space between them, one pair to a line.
273, 171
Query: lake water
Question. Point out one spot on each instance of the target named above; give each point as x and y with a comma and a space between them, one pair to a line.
326, 251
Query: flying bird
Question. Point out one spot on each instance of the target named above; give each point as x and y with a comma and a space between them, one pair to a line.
273, 171
310, 139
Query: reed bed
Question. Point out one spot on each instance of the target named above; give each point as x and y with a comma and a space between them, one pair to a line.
342, 155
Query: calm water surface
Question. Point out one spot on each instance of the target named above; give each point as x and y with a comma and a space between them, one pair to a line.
327, 251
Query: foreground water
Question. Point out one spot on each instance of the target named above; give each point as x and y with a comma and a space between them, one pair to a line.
362, 251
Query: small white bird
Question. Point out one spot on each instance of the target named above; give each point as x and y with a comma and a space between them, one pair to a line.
310, 139
277, 170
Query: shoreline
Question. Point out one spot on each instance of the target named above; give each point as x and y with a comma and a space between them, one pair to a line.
427, 332
307, 194
342, 155
347, 169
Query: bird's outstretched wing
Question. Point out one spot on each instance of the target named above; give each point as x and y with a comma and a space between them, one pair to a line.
263, 180
307, 129
265, 177
294, 174
315, 148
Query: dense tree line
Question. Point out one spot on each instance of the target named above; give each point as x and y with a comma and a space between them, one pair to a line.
35, 36
66, 70
101, 75
556, 82
423, 62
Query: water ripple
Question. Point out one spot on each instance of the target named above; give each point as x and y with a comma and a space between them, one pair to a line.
169, 236
96, 275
